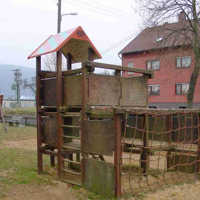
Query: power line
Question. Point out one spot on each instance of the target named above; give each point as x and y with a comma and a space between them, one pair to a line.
117, 44
97, 8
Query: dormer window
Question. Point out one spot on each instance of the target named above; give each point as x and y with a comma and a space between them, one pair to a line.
159, 39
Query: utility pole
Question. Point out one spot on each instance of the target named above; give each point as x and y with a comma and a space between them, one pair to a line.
18, 82
59, 16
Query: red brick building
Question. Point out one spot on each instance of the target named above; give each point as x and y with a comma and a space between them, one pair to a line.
171, 59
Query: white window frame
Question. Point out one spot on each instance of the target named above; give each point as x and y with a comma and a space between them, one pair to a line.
151, 89
181, 62
150, 65
131, 65
183, 91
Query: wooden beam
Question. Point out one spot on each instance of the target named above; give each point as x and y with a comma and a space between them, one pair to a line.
59, 99
44, 74
118, 67
39, 125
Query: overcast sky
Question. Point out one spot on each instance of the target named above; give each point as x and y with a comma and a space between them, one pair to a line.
110, 24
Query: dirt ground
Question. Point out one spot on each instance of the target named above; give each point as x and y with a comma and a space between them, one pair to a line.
59, 191
63, 191
28, 144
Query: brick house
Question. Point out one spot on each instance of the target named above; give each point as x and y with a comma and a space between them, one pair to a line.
170, 57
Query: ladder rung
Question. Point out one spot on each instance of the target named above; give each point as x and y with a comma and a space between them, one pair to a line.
70, 126
71, 147
71, 114
71, 161
71, 172
72, 137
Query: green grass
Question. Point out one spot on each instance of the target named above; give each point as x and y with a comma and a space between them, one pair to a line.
17, 133
19, 166
20, 111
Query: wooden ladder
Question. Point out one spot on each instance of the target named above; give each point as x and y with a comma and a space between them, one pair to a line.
71, 147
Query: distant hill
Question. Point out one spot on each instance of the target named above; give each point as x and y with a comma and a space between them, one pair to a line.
7, 79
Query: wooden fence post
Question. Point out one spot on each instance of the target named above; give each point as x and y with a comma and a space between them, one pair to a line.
145, 153
118, 154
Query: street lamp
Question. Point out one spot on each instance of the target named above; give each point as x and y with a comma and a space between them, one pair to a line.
72, 13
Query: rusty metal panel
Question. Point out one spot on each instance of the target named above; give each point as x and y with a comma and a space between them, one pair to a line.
99, 177
134, 91
48, 92
99, 136
72, 90
103, 90
49, 124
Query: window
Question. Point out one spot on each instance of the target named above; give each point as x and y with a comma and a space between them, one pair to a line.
131, 65
153, 65
183, 62
182, 88
153, 90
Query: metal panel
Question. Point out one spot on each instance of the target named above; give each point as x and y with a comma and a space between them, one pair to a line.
99, 136
134, 92
104, 90
48, 92
72, 90
99, 177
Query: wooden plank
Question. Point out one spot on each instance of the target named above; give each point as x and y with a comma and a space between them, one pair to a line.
73, 90
103, 90
134, 92
118, 67
99, 177
99, 137
47, 74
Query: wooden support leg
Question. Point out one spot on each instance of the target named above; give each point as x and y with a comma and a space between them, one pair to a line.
78, 157
52, 160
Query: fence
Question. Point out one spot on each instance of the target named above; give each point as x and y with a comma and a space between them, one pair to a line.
157, 147
14, 103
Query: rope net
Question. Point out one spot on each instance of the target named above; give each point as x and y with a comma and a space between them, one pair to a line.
159, 147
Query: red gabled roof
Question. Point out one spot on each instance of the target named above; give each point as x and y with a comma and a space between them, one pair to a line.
59, 41
158, 37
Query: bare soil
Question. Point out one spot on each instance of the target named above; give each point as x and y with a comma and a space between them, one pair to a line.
59, 191
27, 144
63, 191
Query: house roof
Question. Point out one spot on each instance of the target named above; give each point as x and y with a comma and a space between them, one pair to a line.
158, 37
73, 41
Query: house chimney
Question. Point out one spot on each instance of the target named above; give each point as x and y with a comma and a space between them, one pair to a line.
181, 17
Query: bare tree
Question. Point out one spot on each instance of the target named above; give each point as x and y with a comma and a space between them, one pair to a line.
50, 62
30, 84
187, 34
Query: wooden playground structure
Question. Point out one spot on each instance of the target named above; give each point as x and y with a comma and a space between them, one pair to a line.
75, 112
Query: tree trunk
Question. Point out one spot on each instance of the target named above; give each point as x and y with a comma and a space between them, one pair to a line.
193, 81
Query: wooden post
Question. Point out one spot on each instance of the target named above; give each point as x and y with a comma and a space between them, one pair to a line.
38, 105
118, 154
83, 118
169, 126
145, 153
59, 99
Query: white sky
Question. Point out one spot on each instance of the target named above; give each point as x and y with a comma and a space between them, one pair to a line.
27, 23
